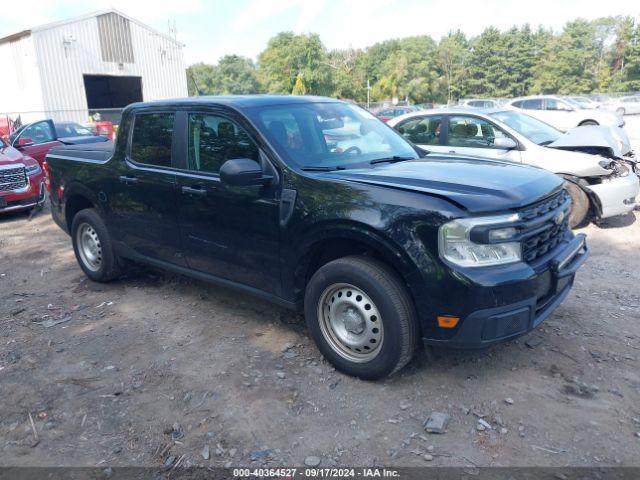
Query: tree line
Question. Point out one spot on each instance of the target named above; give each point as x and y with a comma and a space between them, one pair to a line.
597, 56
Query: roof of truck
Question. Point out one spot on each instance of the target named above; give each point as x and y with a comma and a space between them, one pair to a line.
240, 101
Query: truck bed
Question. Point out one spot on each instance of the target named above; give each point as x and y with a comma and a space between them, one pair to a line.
92, 152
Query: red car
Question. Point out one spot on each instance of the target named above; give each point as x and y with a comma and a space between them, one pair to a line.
23, 183
36, 139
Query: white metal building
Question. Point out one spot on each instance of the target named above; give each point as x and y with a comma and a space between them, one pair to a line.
68, 69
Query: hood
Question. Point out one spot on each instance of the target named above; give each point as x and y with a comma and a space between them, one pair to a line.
477, 185
611, 141
10, 155
82, 140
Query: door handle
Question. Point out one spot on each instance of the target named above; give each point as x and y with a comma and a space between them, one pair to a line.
199, 192
452, 151
129, 180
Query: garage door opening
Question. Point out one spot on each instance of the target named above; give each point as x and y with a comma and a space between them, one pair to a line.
106, 91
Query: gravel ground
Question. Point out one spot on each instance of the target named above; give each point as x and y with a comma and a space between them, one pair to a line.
156, 369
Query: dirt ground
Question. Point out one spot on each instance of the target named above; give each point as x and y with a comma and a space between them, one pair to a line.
156, 369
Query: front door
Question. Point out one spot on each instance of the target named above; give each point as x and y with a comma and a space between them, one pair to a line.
470, 135
229, 232
36, 140
143, 199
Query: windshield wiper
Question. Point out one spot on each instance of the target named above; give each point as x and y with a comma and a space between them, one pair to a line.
394, 159
322, 168
545, 143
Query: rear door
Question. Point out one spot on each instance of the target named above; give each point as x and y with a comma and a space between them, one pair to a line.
471, 135
425, 131
143, 201
228, 232
36, 140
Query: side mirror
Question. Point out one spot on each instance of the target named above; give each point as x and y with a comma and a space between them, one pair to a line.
242, 172
505, 143
24, 142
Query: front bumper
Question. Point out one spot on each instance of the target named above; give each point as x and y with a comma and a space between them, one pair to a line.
29, 197
547, 290
616, 196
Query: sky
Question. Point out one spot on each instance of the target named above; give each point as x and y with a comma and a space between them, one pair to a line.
210, 29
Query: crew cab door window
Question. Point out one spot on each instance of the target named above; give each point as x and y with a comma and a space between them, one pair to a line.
152, 139
472, 132
421, 130
215, 139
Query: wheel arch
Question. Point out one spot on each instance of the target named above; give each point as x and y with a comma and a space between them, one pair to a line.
330, 243
77, 198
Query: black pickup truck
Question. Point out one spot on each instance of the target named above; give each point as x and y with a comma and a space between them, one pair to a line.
315, 204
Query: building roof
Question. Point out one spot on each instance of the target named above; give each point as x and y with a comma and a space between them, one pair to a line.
47, 26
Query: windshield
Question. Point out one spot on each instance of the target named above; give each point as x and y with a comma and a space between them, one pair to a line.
531, 128
72, 130
330, 135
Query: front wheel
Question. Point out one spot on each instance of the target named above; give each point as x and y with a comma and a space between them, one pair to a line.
579, 206
361, 317
587, 123
93, 247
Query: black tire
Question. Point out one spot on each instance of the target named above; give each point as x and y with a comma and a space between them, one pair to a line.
579, 206
587, 123
109, 267
389, 297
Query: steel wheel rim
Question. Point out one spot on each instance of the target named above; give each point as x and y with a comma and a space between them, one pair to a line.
350, 322
89, 247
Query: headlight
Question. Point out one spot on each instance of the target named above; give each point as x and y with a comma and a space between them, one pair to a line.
455, 244
32, 169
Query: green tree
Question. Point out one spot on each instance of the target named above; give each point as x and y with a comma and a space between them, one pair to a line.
232, 75
288, 55
453, 52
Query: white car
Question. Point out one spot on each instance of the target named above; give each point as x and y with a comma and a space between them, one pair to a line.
600, 187
563, 113
624, 105
480, 103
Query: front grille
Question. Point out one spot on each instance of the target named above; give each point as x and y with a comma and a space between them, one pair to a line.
12, 178
546, 224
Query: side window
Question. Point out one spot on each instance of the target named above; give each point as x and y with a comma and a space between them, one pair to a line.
472, 132
532, 104
421, 130
151, 139
39, 133
517, 104
214, 139
553, 104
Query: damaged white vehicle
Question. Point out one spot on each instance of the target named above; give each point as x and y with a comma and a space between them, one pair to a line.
596, 161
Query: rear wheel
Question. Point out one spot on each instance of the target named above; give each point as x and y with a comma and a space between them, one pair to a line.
586, 123
579, 206
361, 317
93, 247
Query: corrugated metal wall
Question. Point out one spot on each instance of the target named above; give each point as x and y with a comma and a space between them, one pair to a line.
66, 52
20, 89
